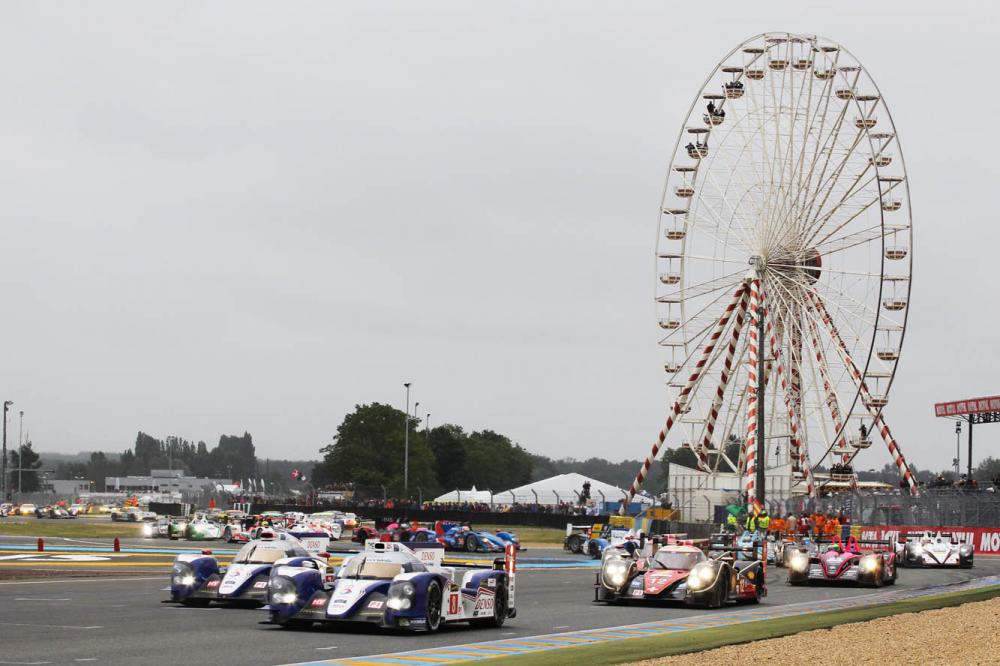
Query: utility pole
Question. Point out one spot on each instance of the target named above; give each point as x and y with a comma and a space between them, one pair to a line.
406, 444
4, 492
427, 430
20, 452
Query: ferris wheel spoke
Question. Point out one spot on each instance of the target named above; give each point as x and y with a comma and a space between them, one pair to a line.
878, 198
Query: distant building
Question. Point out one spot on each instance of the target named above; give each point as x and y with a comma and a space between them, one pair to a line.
162, 480
66, 487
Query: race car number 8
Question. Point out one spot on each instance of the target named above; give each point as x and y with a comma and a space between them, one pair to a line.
453, 604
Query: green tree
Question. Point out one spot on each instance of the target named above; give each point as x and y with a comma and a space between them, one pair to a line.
987, 472
235, 457
368, 450
495, 463
448, 444
29, 461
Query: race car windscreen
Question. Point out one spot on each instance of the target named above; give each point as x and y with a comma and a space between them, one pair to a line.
255, 553
674, 560
362, 567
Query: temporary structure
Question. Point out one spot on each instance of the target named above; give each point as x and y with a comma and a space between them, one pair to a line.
564, 488
472, 495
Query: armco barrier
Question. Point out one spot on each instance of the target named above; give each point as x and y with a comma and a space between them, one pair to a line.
986, 540
383, 516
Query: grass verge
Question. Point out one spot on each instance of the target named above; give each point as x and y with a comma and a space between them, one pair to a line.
68, 528
637, 649
539, 536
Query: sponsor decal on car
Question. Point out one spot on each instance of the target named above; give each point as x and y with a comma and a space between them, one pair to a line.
318, 602
212, 583
375, 604
484, 603
261, 584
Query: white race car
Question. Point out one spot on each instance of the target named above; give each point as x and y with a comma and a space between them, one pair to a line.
197, 580
930, 549
391, 585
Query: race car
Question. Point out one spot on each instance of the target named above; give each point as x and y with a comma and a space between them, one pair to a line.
197, 579
392, 585
456, 536
165, 527
681, 572
784, 548
860, 562
200, 528
929, 549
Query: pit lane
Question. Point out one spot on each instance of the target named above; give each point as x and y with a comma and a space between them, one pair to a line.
119, 621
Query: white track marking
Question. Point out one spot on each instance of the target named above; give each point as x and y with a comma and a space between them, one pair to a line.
66, 581
48, 626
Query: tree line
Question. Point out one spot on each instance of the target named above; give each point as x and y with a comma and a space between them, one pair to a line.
234, 457
368, 452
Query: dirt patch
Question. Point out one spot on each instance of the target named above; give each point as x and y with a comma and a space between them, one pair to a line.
965, 634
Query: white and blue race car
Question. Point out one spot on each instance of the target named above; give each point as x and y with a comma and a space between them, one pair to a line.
198, 580
394, 585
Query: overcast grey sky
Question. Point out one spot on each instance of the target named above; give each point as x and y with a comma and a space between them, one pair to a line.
243, 215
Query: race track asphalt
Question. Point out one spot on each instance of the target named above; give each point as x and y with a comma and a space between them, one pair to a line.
122, 620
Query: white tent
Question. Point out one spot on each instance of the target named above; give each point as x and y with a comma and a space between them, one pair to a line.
465, 496
564, 488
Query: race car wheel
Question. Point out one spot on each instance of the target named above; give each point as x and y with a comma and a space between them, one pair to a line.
574, 544
228, 535
433, 612
499, 608
758, 587
471, 545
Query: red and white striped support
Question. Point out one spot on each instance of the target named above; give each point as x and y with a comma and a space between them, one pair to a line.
794, 369
831, 397
720, 391
753, 367
797, 450
880, 424
682, 399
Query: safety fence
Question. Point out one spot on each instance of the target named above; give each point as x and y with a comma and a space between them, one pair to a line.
932, 507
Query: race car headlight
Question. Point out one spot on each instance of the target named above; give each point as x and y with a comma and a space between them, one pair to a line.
869, 564
965, 549
615, 571
147, 530
917, 549
282, 590
700, 577
182, 575
401, 595
799, 562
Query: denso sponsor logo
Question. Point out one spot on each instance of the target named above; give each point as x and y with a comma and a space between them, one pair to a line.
484, 603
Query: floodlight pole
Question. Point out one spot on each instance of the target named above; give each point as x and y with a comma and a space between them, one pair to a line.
406, 444
3, 468
958, 448
20, 452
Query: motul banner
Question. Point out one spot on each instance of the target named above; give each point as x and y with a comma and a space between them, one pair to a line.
986, 540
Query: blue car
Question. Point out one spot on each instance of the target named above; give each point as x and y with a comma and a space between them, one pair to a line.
392, 585
197, 579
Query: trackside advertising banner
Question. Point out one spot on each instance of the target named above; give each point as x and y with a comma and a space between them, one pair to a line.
986, 540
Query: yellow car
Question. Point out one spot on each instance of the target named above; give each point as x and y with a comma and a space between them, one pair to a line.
26, 509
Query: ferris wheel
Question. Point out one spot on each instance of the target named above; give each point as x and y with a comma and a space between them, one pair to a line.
786, 200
